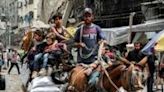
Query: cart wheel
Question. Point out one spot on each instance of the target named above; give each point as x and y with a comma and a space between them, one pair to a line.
2, 82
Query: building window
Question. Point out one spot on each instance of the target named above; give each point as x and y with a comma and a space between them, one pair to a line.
21, 19
31, 14
31, 1
20, 4
25, 3
3, 10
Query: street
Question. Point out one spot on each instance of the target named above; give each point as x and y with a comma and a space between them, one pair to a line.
13, 81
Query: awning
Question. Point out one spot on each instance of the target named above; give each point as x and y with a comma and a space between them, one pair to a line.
160, 44
119, 35
157, 43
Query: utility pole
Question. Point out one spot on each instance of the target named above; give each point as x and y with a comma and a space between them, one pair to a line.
129, 46
130, 26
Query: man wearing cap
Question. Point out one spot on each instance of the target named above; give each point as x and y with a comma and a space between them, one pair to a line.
86, 39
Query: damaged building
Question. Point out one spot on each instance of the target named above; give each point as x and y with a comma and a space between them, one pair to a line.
108, 13
111, 15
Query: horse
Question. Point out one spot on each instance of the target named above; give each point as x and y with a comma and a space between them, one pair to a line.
78, 79
119, 74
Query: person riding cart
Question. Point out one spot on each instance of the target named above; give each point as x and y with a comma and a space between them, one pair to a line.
87, 39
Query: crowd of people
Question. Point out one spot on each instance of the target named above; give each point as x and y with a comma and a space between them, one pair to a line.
9, 58
87, 39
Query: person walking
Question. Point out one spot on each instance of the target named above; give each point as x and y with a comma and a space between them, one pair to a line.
14, 61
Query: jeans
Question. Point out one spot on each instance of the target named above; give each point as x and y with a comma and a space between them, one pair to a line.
12, 65
45, 60
36, 61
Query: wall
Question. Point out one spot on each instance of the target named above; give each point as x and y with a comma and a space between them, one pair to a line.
13, 13
28, 12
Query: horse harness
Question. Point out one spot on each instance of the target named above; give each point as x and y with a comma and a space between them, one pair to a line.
100, 83
71, 87
130, 79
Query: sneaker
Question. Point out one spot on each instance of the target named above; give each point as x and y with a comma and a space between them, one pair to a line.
42, 72
34, 74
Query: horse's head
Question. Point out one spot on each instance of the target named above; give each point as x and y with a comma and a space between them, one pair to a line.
77, 80
137, 77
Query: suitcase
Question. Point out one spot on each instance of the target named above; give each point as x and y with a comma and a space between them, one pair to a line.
2, 82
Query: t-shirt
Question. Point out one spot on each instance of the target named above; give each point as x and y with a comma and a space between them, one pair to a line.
90, 36
41, 47
135, 56
9, 55
15, 58
63, 29
54, 46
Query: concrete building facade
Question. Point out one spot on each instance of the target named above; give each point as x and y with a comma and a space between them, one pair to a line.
13, 13
27, 12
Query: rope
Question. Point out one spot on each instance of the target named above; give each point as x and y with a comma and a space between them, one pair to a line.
106, 73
